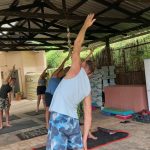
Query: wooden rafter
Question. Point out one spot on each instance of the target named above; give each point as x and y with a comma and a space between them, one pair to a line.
31, 49
35, 30
50, 25
30, 15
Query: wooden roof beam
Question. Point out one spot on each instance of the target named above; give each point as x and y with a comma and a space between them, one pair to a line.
25, 44
31, 49
39, 39
59, 17
35, 30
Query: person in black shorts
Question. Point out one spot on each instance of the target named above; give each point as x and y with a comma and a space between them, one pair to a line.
52, 85
41, 87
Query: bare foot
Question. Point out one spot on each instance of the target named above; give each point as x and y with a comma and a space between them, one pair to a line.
91, 136
36, 112
1, 125
8, 125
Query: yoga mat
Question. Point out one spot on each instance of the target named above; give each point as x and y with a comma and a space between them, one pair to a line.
40, 148
143, 118
41, 119
19, 126
31, 134
33, 113
12, 117
105, 136
123, 117
118, 111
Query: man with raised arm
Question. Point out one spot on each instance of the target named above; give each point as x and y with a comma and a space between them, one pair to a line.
64, 129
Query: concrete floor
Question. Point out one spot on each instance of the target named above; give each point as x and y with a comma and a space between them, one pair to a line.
139, 138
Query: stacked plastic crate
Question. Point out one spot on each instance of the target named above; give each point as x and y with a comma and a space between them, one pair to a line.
31, 85
96, 88
108, 75
105, 76
101, 78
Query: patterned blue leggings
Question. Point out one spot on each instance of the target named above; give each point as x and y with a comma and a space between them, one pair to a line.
64, 133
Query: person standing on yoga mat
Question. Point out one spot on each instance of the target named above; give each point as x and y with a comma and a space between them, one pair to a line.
41, 87
64, 129
52, 85
5, 97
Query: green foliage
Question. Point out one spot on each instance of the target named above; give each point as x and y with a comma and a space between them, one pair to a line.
126, 54
130, 54
55, 58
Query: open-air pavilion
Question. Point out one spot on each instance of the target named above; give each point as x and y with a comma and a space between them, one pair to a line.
29, 28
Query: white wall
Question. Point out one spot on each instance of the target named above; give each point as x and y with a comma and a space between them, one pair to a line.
25, 62
40, 60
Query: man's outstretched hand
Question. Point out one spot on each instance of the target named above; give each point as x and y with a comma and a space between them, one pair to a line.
89, 20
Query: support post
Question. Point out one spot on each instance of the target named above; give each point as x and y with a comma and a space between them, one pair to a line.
108, 52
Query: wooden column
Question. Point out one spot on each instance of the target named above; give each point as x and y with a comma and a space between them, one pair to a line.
108, 52
124, 60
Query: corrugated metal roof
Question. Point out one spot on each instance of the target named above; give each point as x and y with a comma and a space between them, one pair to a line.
113, 17
89, 7
25, 2
124, 26
146, 15
69, 3
114, 14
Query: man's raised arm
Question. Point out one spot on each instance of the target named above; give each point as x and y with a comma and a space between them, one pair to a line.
76, 62
10, 74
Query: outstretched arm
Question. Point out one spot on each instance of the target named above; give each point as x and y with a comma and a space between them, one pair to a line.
55, 73
76, 61
43, 73
87, 119
10, 97
10, 74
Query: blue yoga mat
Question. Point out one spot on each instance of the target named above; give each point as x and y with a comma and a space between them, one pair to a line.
118, 111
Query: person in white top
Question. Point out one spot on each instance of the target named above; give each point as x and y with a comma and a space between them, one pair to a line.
64, 129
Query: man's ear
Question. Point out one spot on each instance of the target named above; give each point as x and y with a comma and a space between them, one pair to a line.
83, 64
89, 75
